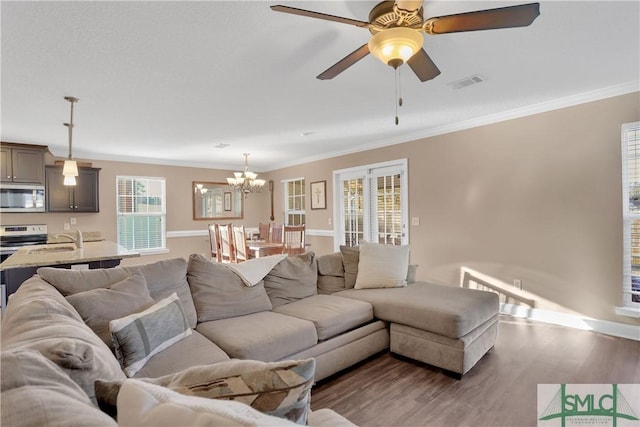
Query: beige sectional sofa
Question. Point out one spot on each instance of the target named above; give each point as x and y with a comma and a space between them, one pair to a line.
55, 345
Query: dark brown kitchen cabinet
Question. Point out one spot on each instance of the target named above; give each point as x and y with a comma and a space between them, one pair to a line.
82, 197
21, 163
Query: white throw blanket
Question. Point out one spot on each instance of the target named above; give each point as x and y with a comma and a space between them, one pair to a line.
253, 271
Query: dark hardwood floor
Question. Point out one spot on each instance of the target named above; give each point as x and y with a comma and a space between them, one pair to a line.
501, 390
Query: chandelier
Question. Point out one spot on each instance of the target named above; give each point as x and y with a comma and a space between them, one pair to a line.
246, 181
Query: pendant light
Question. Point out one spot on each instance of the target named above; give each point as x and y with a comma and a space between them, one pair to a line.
70, 168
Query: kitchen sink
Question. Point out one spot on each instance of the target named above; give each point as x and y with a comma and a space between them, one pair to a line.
52, 249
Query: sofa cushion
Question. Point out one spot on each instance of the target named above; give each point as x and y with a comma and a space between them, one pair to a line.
446, 310
69, 282
382, 266
281, 389
350, 259
193, 350
36, 392
331, 265
292, 279
138, 336
265, 336
165, 277
330, 314
142, 404
219, 293
99, 306
39, 317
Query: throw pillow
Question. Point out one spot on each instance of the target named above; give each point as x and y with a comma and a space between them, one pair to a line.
292, 279
141, 404
137, 337
219, 293
165, 277
281, 389
99, 306
350, 259
382, 266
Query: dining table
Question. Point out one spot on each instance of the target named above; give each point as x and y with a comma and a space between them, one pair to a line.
258, 248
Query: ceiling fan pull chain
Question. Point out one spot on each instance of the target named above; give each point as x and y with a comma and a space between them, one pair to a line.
398, 94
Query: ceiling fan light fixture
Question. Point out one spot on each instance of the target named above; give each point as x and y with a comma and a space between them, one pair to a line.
394, 46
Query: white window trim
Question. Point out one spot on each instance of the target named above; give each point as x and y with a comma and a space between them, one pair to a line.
151, 251
365, 171
628, 308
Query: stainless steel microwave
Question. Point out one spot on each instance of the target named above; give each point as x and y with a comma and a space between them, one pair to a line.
21, 198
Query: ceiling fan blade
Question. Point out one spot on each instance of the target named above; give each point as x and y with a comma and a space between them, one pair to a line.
326, 17
423, 66
490, 19
345, 63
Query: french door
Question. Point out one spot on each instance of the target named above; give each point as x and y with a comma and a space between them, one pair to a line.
371, 204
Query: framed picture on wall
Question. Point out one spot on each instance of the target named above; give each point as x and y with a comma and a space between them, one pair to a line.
319, 195
227, 201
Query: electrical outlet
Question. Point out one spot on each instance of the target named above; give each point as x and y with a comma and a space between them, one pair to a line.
415, 220
329, 221
66, 226
73, 221
517, 283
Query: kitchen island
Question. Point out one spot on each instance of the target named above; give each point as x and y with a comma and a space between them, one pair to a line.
24, 263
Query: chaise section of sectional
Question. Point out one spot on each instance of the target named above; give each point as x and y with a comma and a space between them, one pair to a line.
444, 326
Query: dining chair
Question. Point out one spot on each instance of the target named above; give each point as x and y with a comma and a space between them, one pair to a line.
276, 233
240, 244
263, 231
226, 243
293, 239
214, 242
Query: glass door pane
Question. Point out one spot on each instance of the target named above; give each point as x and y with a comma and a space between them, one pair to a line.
353, 211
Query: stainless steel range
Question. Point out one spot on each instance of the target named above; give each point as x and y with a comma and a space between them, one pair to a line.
13, 237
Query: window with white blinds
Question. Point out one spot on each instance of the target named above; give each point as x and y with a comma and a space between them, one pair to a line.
141, 211
631, 213
294, 201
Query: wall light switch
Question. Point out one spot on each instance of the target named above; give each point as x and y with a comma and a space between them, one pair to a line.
73, 220
415, 220
66, 226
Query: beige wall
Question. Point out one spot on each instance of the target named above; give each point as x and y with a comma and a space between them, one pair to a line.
536, 199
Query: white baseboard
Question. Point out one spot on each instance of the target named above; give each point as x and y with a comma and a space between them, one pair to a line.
616, 329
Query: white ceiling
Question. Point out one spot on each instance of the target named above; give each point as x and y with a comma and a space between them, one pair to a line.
165, 82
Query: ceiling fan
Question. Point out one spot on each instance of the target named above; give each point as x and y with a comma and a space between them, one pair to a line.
396, 28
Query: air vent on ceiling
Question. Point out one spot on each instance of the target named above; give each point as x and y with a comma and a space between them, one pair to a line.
467, 81
221, 145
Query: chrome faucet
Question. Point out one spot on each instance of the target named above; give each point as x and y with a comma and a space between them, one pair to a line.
77, 240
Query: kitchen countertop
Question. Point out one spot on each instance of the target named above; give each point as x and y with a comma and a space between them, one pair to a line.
66, 253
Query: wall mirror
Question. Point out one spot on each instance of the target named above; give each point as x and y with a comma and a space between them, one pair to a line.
216, 200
